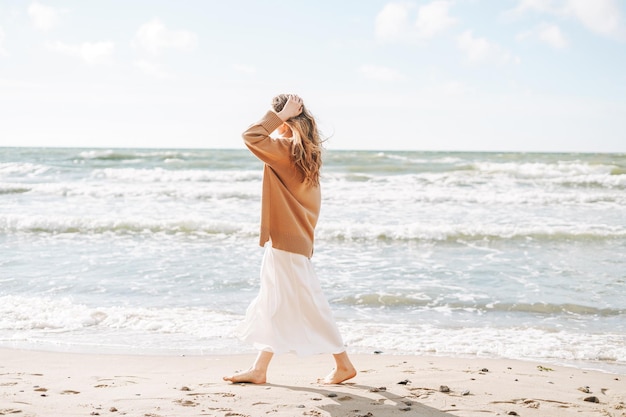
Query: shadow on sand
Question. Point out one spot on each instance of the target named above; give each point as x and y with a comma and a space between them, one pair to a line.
354, 400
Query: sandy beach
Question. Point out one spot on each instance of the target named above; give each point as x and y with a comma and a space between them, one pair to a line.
49, 384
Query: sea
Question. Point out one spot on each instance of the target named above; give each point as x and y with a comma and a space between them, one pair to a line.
466, 254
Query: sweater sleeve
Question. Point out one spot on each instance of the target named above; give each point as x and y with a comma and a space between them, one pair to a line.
257, 138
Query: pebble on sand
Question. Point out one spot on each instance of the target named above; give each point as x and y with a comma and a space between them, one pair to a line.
592, 399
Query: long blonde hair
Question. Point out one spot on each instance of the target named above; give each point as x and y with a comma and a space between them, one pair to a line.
306, 148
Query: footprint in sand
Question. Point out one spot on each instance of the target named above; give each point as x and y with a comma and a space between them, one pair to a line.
186, 403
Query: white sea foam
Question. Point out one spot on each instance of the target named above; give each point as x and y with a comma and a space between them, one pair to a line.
26, 169
544, 170
420, 231
62, 321
158, 189
62, 315
156, 175
519, 343
115, 224
344, 231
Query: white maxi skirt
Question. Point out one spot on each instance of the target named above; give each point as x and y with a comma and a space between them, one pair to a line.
290, 313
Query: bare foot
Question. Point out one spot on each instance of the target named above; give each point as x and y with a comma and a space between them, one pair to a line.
337, 376
252, 376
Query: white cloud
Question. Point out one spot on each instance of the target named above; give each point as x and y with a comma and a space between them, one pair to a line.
433, 18
599, 16
153, 37
393, 22
476, 49
541, 6
379, 73
93, 53
552, 35
547, 33
43, 17
482, 50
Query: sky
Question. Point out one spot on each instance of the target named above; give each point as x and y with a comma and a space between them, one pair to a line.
434, 75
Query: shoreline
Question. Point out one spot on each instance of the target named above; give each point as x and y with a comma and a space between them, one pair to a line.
606, 366
43, 383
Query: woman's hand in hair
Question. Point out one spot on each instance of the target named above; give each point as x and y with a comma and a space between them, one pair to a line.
292, 108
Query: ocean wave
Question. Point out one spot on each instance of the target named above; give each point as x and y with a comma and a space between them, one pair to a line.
347, 232
22, 169
131, 154
138, 191
247, 186
384, 158
519, 166
45, 321
514, 342
14, 224
414, 195
170, 159
65, 315
159, 175
151, 187
544, 170
13, 189
184, 186
461, 232
487, 180
107, 154
383, 300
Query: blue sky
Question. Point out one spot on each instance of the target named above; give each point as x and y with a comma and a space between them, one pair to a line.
478, 75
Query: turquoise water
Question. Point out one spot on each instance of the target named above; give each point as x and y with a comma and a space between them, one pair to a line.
149, 250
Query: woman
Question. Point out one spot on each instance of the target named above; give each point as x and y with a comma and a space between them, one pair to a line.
290, 313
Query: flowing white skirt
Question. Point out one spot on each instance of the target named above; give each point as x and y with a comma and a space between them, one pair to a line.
290, 313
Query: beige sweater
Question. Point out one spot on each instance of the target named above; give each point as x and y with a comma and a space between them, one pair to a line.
289, 208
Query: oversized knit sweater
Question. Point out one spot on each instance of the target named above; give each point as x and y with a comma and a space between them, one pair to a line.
289, 208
